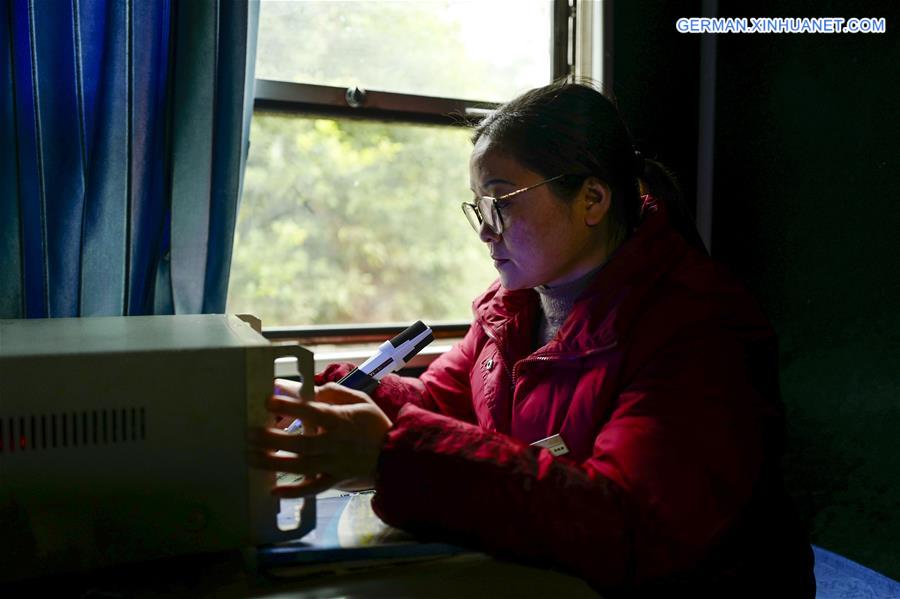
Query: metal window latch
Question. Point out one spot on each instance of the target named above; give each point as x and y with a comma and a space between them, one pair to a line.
355, 97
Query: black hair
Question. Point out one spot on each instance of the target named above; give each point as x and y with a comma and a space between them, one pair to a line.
574, 129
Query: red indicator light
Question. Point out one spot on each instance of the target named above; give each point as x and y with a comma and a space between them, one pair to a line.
22, 442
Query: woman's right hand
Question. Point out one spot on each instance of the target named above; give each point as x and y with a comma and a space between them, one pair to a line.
343, 433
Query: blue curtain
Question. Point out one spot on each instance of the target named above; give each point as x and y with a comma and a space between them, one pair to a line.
124, 131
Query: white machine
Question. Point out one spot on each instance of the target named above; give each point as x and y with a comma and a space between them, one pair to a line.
124, 439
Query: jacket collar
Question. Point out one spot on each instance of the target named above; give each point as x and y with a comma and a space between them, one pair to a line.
606, 308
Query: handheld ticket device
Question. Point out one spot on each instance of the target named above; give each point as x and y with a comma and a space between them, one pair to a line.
391, 356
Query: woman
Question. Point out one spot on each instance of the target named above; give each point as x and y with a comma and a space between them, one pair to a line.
611, 332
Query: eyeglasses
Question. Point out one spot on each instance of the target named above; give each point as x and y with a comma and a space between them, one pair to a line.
487, 210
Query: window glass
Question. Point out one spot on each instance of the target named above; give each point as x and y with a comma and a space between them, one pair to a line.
489, 50
349, 221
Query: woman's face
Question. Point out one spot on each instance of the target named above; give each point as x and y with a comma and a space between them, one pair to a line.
545, 240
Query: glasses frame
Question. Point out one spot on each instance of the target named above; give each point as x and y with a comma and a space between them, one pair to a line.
477, 209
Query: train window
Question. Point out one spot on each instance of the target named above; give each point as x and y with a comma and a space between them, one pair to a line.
359, 150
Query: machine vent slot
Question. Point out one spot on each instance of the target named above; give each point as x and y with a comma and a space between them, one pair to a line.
67, 430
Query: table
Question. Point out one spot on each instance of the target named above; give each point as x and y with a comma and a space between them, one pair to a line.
232, 574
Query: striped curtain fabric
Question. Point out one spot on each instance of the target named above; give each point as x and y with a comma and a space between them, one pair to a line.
123, 137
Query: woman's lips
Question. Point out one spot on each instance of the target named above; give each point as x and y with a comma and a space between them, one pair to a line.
499, 261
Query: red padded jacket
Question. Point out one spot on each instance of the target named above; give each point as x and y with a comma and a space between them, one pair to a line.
663, 384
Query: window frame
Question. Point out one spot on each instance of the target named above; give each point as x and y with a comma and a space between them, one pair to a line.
306, 99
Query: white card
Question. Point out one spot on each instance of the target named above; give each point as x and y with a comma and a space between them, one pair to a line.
555, 444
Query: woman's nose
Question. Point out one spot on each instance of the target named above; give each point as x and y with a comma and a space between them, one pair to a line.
486, 233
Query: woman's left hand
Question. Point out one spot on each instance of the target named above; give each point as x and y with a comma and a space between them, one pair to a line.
344, 431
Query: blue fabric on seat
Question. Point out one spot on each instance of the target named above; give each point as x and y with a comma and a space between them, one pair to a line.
124, 128
840, 578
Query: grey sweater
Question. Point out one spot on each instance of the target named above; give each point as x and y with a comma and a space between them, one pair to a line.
557, 303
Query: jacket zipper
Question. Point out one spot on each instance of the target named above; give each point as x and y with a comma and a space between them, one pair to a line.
489, 331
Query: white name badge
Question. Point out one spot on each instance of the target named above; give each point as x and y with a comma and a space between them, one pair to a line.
555, 444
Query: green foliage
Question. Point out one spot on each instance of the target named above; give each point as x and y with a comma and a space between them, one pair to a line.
355, 221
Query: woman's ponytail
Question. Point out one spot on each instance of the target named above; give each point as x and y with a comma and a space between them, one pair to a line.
661, 183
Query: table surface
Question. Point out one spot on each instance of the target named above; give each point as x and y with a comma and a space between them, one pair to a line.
232, 574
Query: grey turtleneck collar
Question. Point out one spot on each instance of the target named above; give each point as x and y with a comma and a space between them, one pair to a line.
557, 303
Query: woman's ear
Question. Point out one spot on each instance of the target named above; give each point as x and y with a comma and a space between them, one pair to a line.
597, 197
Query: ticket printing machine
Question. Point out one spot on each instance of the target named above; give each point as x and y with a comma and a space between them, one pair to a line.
123, 439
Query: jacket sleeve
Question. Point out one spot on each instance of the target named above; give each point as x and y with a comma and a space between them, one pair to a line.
444, 387
670, 470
